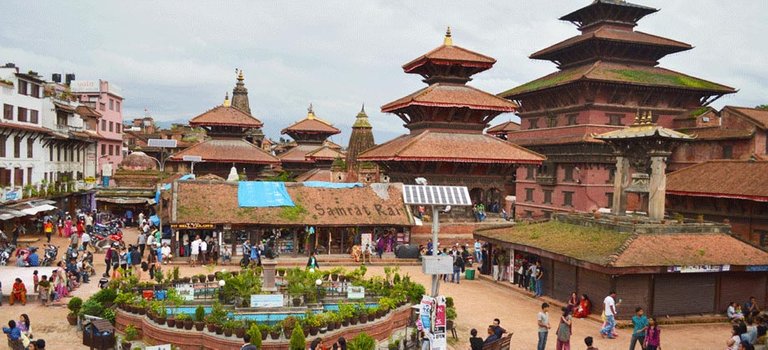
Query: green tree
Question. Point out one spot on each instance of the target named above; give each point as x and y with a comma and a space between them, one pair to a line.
763, 107
298, 341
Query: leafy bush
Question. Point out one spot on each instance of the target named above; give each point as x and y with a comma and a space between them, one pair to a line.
75, 304
92, 308
448, 301
255, 333
362, 342
131, 333
241, 286
218, 315
105, 296
109, 315
298, 341
199, 314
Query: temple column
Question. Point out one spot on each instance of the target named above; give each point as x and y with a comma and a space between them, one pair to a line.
657, 188
620, 182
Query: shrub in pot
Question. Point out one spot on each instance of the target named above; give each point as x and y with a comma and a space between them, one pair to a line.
229, 327
240, 329
199, 318
274, 332
298, 340
288, 324
181, 319
131, 334
256, 335
74, 306
171, 321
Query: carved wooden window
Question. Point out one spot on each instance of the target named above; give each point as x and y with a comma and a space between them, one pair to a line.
552, 121
567, 198
534, 123
7, 112
529, 173
568, 173
547, 196
529, 195
615, 119
572, 119
30, 147
609, 197
16, 147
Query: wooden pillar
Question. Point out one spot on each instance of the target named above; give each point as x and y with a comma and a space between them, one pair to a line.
621, 180
657, 188
295, 242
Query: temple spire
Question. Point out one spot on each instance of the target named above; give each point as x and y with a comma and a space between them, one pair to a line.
448, 40
226, 100
240, 94
310, 112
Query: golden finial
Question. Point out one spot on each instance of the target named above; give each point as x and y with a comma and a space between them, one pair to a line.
240, 75
310, 112
448, 41
648, 118
226, 100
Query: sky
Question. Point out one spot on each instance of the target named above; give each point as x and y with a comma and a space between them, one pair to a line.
177, 59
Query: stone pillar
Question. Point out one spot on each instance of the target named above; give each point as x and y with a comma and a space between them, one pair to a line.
621, 180
268, 266
657, 188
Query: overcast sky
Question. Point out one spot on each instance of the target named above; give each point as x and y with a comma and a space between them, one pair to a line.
178, 58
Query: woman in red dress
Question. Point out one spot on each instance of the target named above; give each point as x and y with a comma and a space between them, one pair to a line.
584, 307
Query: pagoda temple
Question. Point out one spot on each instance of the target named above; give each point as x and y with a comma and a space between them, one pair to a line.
446, 144
311, 150
361, 140
607, 75
227, 127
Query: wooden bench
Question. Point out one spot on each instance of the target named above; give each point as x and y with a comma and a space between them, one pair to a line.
502, 344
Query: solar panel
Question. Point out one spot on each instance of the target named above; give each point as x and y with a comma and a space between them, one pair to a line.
436, 195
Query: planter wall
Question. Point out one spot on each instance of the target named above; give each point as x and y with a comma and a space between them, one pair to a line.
153, 333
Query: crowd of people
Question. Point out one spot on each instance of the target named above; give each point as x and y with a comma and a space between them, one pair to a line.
749, 325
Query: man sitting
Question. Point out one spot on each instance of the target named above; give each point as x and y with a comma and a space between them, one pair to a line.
166, 253
19, 292
492, 337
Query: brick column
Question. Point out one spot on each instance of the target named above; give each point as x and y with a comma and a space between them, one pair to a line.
621, 180
657, 188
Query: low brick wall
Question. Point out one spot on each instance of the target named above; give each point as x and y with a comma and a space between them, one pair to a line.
153, 333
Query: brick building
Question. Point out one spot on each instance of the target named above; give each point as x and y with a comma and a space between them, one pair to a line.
606, 76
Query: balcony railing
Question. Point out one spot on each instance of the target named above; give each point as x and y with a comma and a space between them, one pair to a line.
546, 180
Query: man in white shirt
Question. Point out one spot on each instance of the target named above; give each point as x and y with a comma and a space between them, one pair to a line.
165, 251
86, 239
194, 250
610, 316
203, 252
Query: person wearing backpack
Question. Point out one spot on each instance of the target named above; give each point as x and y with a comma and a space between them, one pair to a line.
458, 267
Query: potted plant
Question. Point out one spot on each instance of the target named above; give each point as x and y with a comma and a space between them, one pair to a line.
256, 335
361, 313
280, 272
229, 327
74, 306
264, 330
312, 322
288, 324
131, 334
181, 319
274, 331
171, 321
298, 341
199, 318
373, 313
240, 329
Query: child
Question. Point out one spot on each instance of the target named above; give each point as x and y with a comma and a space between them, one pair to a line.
35, 280
652, 335
44, 290
104, 281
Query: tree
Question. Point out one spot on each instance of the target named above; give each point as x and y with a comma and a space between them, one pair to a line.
763, 107
298, 341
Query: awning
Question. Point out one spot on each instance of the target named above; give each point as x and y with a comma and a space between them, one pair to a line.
8, 214
126, 200
38, 209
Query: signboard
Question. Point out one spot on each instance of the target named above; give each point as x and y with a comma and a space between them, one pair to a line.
355, 292
84, 86
366, 240
439, 340
193, 226
192, 158
186, 291
12, 195
699, 268
267, 300
106, 169
162, 143
432, 320
437, 265
757, 268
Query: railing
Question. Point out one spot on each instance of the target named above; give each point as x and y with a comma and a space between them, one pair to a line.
548, 180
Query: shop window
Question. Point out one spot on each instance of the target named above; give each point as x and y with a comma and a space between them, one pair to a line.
547, 196
529, 195
727, 152
567, 198
609, 199
572, 119
7, 112
529, 173
534, 123
615, 119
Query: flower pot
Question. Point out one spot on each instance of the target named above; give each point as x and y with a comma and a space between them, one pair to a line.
179, 324
281, 273
171, 322
199, 326
160, 320
142, 311
363, 319
188, 324
240, 332
194, 280
274, 335
211, 278
296, 301
227, 332
336, 325
313, 330
288, 332
353, 320
344, 323
211, 327
264, 334
323, 330
334, 277
126, 344
72, 319
219, 330
329, 327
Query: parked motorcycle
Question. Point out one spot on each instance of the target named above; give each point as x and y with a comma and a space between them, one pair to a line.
51, 253
6, 254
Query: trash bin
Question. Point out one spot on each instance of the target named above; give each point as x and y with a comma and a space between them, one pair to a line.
99, 334
469, 274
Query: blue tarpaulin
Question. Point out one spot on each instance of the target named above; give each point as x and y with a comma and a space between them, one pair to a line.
155, 220
261, 194
187, 177
324, 184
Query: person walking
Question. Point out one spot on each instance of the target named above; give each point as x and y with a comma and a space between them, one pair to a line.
543, 321
141, 241
194, 250
85, 240
48, 229
458, 266
653, 335
609, 305
203, 252
639, 326
564, 330
312, 261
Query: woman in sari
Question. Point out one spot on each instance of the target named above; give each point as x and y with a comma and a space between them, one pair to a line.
584, 307
68, 227
573, 302
61, 281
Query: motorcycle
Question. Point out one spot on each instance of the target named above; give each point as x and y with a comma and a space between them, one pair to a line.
6, 254
49, 257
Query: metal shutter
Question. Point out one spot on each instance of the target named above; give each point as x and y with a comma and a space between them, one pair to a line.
684, 294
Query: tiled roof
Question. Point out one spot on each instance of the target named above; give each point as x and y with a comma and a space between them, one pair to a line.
611, 248
618, 35
450, 54
325, 153
452, 95
315, 175
216, 202
227, 150
297, 154
743, 179
24, 127
223, 115
759, 116
504, 128
689, 249
601, 71
560, 135
450, 147
582, 13
86, 111
717, 133
314, 125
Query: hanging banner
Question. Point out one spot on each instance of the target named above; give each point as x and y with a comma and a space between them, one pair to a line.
439, 340
366, 241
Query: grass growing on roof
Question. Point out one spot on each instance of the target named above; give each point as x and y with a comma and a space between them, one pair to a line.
294, 213
640, 76
590, 244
